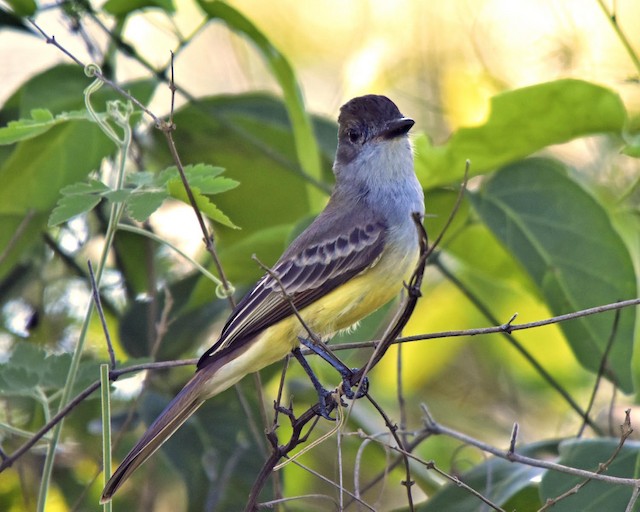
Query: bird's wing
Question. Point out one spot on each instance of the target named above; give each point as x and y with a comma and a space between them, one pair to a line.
307, 275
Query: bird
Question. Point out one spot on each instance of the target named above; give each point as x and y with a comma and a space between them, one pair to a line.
351, 260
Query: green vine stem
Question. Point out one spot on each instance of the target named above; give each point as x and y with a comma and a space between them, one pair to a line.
119, 113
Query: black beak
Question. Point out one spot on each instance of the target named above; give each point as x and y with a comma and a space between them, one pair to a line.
397, 127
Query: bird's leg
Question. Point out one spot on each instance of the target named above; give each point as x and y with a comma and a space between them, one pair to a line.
345, 372
324, 396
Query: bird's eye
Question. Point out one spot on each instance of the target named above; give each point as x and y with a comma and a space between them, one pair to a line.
354, 135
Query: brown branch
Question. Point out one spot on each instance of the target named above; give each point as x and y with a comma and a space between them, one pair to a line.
601, 372
432, 466
542, 371
434, 428
507, 327
96, 73
393, 429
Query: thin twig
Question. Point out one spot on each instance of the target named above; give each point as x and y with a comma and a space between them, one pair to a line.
98, 74
436, 429
601, 370
432, 466
103, 322
408, 481
613, 19
496, 329
625, 432
506, 333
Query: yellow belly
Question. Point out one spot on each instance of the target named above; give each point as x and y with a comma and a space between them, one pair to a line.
338, 310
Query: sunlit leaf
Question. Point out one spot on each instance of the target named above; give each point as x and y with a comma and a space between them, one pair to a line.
41, 121
521, 122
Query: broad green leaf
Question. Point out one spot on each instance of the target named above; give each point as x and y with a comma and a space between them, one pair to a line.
497, 479
305, 141
121, 8
38, 168
521, 122
596, 496
35, 172
565, 240
41, 121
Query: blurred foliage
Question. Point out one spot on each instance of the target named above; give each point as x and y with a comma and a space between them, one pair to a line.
537, 232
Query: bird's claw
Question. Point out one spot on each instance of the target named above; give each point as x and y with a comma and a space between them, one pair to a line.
347, 386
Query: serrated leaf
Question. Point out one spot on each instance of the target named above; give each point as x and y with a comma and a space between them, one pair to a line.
71, 206
176, 189
30, 367
203, 176
41, 121
84, 187
118, 196
565, 240
141, 205
141, 179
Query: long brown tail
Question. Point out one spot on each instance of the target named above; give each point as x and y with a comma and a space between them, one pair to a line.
174, 415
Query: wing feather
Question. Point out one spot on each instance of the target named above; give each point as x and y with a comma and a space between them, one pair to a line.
307, 274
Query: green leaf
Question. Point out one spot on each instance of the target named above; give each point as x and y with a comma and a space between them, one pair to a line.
41, 121
70, 206
118, 196
250, 136
30, 367
176, 189
121, 8
85, 187
23, 7
141, 205
565, 240
60, 89
305, 141
203, 176
596, 496
521, 122
497, 479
